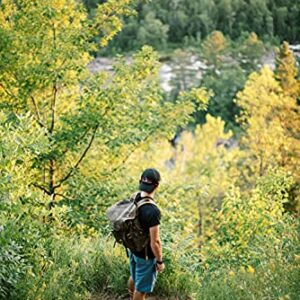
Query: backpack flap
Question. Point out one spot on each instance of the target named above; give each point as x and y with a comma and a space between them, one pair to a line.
121, 209
124, 209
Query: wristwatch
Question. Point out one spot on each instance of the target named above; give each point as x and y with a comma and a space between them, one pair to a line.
159, 262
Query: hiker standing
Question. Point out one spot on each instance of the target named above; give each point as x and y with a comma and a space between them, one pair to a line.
145, 264
135, 225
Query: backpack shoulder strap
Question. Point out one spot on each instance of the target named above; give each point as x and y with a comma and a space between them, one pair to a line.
133, 196
145, 201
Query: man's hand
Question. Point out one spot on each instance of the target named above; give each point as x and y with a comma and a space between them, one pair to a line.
160, 267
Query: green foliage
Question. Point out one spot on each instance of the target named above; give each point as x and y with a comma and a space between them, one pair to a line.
78, 267
229, 64
246, 220
178, 274
287, 71
152, 31
224, 85
74, 268
275, 280
193, 20
137, 32
73, 142
254, 251
12, 264
79, 111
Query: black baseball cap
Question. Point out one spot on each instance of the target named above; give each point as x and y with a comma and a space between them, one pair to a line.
150, 179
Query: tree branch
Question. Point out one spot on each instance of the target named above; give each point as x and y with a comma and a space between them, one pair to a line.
53, 102
9, 93
79, 160
72, 170
128, 156
63, 196
53, 108
42, 188
51, 176
37, 113
64, 152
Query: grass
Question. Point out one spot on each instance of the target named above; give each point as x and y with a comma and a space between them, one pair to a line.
269, 282
92, 269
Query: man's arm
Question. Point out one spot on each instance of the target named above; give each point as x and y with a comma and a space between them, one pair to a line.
156, 246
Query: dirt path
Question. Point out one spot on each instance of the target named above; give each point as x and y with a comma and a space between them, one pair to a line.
108, 297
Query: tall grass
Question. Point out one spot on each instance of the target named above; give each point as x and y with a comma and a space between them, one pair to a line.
269, 282
81, 268
78, 268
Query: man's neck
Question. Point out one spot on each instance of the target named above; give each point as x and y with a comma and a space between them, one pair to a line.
145, 194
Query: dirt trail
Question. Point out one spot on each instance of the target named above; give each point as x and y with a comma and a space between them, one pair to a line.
108, 297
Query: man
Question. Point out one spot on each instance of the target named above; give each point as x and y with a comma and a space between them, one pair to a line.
145, 264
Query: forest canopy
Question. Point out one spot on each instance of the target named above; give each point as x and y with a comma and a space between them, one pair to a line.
172, 23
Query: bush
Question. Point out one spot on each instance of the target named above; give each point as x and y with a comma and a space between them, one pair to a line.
179, 279
255, 251
251, 225
270, 281
12, 265
75, 268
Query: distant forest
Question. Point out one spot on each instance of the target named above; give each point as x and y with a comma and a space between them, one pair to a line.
166, 24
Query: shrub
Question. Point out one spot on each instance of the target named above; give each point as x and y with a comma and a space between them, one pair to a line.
12, 265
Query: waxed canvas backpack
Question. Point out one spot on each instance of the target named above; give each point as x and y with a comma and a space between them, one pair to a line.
125, 224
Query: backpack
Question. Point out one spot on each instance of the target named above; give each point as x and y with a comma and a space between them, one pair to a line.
125, 224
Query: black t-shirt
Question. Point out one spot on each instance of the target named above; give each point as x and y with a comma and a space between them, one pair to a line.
149, 216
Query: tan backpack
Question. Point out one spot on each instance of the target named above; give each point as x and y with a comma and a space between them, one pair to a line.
125, 224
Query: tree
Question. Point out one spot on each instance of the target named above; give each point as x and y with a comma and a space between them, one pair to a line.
270, 119
184, 74
208, 161
229, 68
43, 73
190, 21
152, 32
196, 174
245, 220
250, 52
213, 47
287, 72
